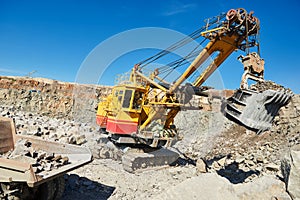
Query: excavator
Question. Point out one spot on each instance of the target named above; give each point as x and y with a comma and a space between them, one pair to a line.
141, 108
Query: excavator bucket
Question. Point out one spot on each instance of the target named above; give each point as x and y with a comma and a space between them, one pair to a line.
255, 110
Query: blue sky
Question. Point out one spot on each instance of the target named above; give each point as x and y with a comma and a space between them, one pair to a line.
54, 37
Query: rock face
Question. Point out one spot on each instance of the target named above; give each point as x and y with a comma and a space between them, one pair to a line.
291, 171
51, 98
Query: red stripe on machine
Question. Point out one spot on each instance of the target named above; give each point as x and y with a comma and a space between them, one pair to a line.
121, 126
101, 121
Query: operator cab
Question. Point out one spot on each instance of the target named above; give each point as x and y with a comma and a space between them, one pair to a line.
130, 99
125, 109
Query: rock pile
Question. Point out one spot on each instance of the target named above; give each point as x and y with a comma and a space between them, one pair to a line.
267, 85
199, 130
256, 155
62, 130
287, 123
234, 152
40, 160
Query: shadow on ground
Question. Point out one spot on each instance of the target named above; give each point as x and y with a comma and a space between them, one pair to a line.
234, 174
82, 188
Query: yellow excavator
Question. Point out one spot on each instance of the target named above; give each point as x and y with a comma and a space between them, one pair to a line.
141, 109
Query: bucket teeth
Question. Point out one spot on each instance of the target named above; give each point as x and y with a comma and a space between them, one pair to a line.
254, 110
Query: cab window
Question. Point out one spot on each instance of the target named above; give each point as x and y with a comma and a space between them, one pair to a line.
127, 98
138, 99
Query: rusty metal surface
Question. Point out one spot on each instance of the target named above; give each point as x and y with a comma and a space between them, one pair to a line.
253, 69
254, 63
7, 133
14, 171
14, 165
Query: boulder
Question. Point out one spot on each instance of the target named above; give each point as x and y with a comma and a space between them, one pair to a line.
211, 186
201, 166
272, 167
240, 159
80, 139
205, 186
265, 187
290, 167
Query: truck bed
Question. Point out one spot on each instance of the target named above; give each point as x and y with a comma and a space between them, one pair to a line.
17, 171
